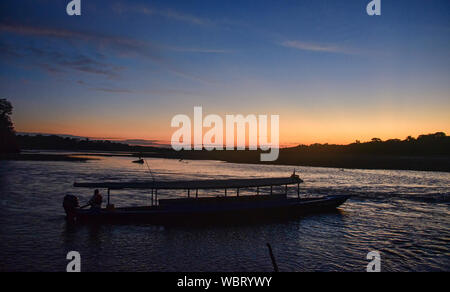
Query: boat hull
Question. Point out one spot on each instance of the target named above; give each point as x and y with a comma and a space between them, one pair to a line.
265, 210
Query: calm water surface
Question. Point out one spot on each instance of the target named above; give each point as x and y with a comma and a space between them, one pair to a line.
402, 214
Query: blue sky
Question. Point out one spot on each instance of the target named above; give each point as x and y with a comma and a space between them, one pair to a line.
124, 68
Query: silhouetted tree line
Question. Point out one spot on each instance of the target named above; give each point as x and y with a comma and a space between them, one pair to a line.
8, 143
432, 144
427, 152
424, 145
54, 142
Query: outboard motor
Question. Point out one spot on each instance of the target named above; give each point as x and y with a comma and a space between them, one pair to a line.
70, 205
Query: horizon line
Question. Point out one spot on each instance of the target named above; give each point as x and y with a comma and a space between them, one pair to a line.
166, 144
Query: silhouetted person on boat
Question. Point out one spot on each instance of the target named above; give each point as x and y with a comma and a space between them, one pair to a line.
96, 201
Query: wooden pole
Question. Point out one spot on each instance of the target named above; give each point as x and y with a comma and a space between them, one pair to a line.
156, 197
286, 190
109, 196
225, 192
238, 192
271, 190
298, 191
196, 193
272, 257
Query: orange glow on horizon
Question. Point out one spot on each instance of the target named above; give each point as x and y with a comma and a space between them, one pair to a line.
298, 125
291, 133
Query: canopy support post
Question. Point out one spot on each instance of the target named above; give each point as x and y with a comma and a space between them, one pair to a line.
225, 192
189, 193
298, 191
237, 192
257, 190
271, 190
196, 193
286, 190
109, 196
156, 197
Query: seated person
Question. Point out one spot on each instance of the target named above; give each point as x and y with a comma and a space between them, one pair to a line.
96, 201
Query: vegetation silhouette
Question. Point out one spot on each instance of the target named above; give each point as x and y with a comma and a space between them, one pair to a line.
55, 142
426, 152
8, 143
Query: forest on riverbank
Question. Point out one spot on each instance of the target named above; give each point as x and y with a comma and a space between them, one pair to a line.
426, 152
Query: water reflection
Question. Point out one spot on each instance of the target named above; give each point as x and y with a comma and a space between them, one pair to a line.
402, 214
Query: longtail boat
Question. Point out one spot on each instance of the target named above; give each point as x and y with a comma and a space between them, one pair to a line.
203, 209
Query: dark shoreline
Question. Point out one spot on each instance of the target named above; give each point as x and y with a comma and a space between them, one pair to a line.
377, 162
429, 152
43, 157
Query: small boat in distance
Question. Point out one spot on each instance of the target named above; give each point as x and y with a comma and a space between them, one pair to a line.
140, 160
206, 209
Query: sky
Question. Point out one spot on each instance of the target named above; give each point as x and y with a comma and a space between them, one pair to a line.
123, 69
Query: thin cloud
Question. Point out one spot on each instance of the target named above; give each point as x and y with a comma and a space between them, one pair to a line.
148, 92
88, 65
8, 51
49, 68
183, 17
316, 47
104, 89
121, 46
199, 50
122, 8
113, 90
56, 62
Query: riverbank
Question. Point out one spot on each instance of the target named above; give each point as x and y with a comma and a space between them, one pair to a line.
345, 161
287, 158
44, 157
424, 153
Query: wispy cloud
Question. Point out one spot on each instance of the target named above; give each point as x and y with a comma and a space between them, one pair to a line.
316, 47
104, 89
122, 8
155, 91
113, 90
122, 45
117, 45
56, 62
88, 65
199, 50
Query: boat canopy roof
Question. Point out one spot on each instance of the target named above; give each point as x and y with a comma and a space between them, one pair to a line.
195, 184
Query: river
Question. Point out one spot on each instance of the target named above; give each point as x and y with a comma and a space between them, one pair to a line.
404, 215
